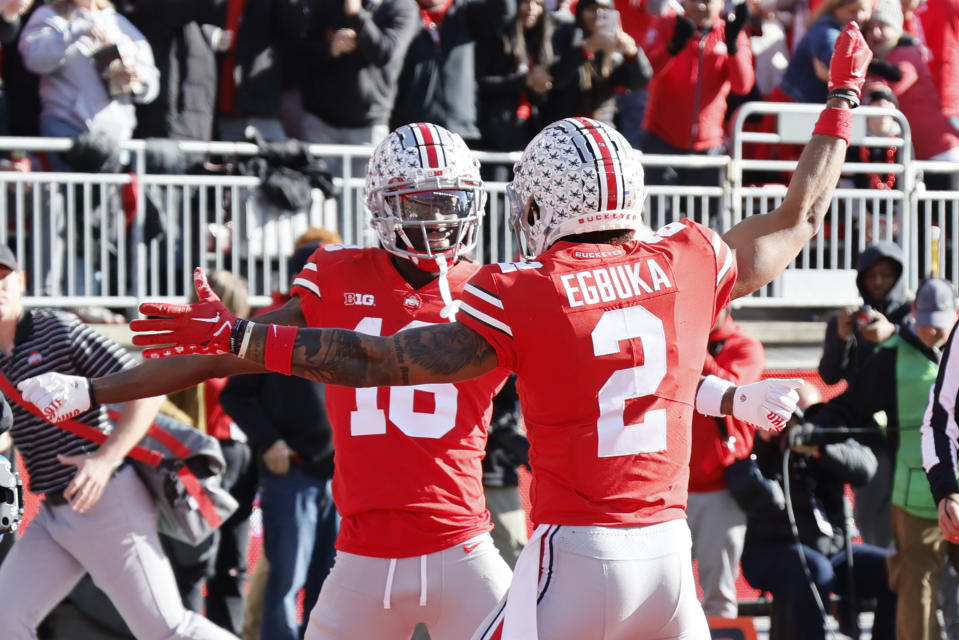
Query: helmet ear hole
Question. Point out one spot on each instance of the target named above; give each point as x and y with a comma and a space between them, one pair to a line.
532, 214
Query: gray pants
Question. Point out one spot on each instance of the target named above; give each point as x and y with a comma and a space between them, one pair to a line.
450, 591
509, 521
116, 542
718, 526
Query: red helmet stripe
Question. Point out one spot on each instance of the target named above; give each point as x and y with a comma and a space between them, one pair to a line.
430, 140
606, 166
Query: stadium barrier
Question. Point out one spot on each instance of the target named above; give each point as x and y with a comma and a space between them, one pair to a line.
115, 240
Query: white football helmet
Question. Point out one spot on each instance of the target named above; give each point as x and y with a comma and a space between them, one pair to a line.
577, 175
425, 195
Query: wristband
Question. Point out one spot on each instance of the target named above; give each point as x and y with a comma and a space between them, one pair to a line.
236, 334
278, 352
709, 397
245, 342
835, 122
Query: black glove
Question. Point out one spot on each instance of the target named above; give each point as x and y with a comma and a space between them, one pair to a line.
734, 24
682, 34
885, 70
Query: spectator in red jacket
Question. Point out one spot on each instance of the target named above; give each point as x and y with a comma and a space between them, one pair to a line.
636, 16
717, 522
938, 24
698, 59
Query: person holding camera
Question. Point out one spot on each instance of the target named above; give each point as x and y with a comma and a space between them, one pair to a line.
896, 382
853, 332
607, 59
798, 548
93, 65
698, 58
720, 449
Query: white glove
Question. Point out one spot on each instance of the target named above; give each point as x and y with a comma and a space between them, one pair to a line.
767, 404
57, 396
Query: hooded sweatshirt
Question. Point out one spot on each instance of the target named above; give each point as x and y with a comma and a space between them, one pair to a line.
841, 360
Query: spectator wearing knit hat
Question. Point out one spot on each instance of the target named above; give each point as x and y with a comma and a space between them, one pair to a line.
899, 61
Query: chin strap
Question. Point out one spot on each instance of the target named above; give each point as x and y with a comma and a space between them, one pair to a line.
450, 306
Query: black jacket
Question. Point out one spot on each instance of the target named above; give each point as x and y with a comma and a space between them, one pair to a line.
814, 484
355, 89
501, 85
186, 104
438, 80
271, 406
841, 360
875, 389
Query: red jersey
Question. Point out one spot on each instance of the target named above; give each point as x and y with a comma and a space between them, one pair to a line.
407, 478
608, 345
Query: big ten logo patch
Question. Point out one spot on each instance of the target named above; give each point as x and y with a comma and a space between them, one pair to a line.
359, 299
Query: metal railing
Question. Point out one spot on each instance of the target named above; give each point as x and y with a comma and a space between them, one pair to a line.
81, 246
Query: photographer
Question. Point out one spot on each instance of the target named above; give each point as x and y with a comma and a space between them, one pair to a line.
852, 332
799, 553
896, 381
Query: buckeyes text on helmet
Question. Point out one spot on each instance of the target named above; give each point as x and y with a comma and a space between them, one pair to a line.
576, 176
425, 195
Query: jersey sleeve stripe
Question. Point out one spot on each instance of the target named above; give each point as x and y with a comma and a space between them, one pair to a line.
722, 250
483, 318
309, 286
483, 295
727, 264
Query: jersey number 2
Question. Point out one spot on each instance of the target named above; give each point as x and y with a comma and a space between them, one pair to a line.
616, 438
369, 420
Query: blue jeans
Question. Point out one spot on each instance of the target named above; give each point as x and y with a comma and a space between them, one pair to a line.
776, 568
300, 524
51, 127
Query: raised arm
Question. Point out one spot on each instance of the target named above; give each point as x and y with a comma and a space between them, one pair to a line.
766, 244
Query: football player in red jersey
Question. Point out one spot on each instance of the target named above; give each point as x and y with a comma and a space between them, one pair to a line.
414, 543
607, 336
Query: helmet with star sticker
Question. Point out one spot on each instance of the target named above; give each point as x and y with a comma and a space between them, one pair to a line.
576, 176
425, 195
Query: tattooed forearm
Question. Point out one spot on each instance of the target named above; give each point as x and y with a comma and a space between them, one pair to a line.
338, 356
432, 354
401, 361
446, 350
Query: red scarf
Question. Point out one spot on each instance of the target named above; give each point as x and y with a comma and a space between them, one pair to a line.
433, 19
234, 13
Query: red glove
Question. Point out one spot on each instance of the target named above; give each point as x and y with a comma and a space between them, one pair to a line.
204, 327
847, 69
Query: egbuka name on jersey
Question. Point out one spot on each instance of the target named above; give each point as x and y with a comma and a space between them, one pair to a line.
625, 281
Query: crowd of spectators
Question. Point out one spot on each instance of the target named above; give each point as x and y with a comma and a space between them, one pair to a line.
494, 71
